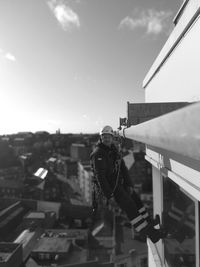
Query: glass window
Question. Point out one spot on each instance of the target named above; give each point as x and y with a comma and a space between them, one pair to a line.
144, 262
179, 220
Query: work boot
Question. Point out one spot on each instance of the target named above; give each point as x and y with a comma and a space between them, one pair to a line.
154, 234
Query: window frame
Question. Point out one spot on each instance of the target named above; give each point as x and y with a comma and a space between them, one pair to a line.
186, 190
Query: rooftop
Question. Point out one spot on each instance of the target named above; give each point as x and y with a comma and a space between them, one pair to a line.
130, 243
78, 145
51, 159
129, 160
28, 239
6, 250
4, 256
41, 173
103, 228
67, 233
52, 244
34, 215
5, 183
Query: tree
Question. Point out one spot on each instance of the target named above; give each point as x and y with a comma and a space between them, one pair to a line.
7, 156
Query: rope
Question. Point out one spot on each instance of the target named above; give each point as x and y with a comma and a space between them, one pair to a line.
117, 180
118, 172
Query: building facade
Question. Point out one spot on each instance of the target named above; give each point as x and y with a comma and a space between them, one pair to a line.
172, 142
10, 254
80, 152
85, 181
175, 175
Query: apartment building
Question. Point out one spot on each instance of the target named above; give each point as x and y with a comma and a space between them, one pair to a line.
11, 188
10, 217
10, 254
80, 152
85, 181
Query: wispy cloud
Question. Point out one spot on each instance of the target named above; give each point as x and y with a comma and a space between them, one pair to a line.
154, 22
10, 57
65, 16
7, 55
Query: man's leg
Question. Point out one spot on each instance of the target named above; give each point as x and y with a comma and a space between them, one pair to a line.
140, 206
140, 224
128, 205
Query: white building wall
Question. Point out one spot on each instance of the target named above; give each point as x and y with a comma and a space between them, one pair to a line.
88, 186
178, 78
86, 189
175, 80
81, 175
85, 182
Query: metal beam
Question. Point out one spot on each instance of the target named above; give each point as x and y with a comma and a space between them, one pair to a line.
177, 131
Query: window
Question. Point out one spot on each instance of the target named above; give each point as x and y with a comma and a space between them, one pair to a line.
144, 262
179, 220
122, 265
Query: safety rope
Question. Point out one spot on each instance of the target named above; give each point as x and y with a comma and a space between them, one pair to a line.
117, 179
119, 167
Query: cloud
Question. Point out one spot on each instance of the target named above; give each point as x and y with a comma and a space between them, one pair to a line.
7, 55
154, 22
10, 57
65, 16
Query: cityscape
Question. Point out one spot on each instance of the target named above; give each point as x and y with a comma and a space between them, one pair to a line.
46, 211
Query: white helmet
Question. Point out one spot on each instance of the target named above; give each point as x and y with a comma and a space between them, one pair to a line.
107, 130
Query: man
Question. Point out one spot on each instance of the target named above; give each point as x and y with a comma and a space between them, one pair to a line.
112, 179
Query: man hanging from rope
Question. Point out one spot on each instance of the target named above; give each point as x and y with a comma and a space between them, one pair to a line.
111, 178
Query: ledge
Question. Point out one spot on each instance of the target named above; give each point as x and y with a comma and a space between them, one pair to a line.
177, 131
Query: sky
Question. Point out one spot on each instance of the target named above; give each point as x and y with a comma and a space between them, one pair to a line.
73, 64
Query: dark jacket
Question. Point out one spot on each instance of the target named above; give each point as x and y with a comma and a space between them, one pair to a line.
106, 162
